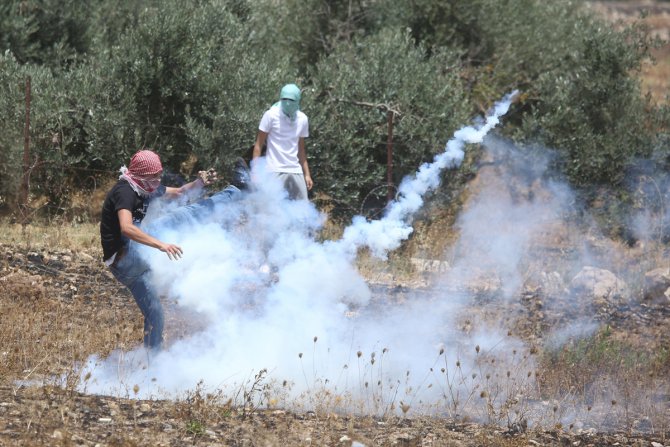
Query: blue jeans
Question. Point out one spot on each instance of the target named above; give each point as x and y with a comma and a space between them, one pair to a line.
193, 213
132, 270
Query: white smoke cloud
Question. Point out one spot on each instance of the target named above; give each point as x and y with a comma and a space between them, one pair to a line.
271, 297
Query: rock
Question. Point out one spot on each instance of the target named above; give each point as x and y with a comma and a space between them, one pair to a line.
552, 283
85, 257
657, 285
429, 265
602, 285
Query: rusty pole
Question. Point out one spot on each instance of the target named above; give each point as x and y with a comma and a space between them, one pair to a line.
389, 156
26, 150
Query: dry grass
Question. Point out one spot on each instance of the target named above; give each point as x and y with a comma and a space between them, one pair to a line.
614, 382
656, 75
46, 323
55, 235
57, 312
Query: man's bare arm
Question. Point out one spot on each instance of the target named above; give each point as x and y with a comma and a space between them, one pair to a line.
260, 141
133, 232
302, 159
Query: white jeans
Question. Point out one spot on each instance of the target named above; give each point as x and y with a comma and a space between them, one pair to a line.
294, 184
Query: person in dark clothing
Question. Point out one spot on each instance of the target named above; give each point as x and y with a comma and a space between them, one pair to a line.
123, 210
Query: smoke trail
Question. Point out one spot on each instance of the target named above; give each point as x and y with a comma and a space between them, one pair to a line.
387, 234
270, 297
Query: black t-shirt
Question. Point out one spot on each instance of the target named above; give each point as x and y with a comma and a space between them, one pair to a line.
121, 197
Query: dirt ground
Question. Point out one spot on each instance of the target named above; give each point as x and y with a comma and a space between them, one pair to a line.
51, 292
49, 417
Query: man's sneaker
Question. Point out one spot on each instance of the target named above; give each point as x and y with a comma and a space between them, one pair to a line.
241, 178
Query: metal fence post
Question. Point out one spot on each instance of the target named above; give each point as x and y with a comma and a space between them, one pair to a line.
25, 180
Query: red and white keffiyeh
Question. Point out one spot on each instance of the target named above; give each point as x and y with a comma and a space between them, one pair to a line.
145, 166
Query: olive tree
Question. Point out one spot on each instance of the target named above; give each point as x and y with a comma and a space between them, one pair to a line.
356, 88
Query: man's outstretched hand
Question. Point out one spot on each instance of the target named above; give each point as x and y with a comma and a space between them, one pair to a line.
208, 177
173, 251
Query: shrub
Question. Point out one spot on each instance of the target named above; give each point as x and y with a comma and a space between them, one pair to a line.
354, 89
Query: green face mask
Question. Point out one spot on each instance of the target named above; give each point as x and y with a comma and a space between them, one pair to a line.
289, 100
289, 107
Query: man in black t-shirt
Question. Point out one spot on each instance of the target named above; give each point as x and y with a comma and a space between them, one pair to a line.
124, 208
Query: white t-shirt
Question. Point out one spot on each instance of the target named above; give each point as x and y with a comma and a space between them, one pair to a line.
282, 140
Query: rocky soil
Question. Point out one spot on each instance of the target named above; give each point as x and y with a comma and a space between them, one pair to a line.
51, 417
64, 295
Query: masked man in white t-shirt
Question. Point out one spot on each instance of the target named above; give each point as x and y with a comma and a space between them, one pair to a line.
284, 129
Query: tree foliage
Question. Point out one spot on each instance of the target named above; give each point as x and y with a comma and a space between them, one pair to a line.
359, 85
192, 79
